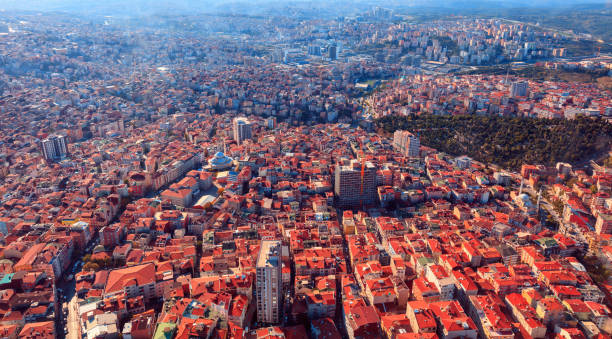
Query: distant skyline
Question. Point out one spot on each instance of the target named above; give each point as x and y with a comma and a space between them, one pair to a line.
146, 7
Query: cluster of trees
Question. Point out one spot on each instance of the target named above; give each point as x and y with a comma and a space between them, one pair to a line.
540, 73
598, 272
507, 141
90, 264
450, 44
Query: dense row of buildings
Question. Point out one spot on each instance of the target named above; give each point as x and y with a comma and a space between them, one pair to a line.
425, 245
488, 95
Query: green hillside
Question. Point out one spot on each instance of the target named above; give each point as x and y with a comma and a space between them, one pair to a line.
508, 141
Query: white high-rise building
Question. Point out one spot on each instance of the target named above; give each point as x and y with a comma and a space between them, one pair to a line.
242, 129
54, 147
519, 89
268, 283
406, 143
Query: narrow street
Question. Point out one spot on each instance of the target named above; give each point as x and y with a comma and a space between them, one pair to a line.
69, 298
73, 324
544, 203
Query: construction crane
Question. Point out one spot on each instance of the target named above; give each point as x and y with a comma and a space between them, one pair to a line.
362, 172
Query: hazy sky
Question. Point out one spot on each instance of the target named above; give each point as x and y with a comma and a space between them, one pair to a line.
140, 7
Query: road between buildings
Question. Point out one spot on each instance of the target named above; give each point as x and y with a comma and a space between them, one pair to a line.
73, 323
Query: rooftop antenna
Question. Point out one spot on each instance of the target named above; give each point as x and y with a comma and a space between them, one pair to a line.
507, 73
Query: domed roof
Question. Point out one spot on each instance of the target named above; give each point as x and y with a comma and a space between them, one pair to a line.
220, 161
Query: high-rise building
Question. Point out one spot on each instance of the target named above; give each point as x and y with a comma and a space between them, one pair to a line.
268, 283
406, 143
519, 89
559, 52
242, 129
333, 52
351, 187
271, 122
603, 225
54, 147
314, 50
463, 162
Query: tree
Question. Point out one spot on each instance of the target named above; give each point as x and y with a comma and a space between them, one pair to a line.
551, 222
107, 262
558, 206
91, 266
570, 182
199, 246
596, 270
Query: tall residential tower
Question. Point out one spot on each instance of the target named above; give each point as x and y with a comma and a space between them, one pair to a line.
519, 89
352, 187
406, 143
54, 147
269, 282
242, 130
